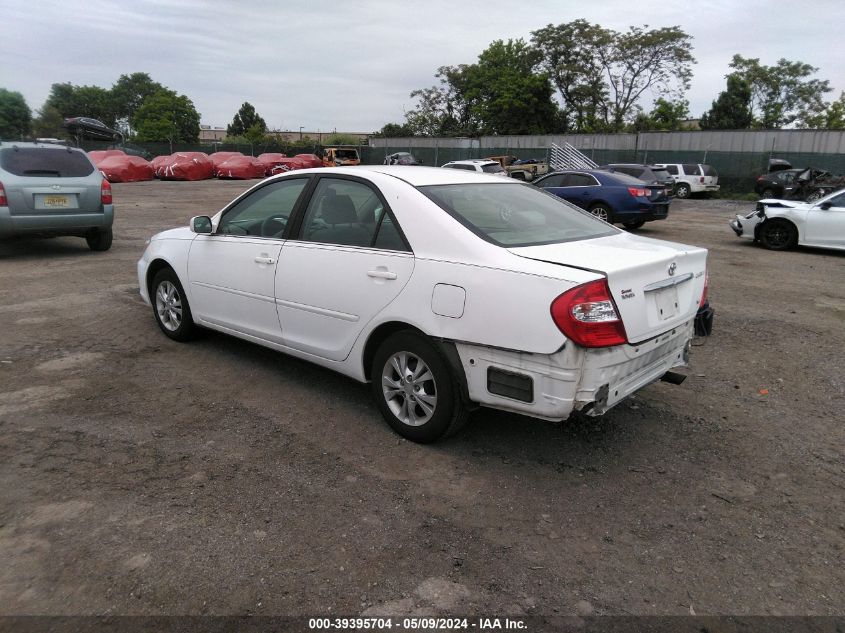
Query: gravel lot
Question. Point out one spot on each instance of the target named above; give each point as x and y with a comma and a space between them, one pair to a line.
143, 476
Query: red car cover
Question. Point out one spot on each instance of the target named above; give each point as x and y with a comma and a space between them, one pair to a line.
270, 160
241, 167
287, 164
126, 168
186, 166
99, 155
310, 160
158, 163
218, 157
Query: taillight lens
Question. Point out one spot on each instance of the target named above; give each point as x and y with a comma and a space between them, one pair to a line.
105, 192
588, 316
3, 201
706, 288
637, 192
701, 180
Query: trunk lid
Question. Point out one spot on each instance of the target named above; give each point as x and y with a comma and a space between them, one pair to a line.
656, 285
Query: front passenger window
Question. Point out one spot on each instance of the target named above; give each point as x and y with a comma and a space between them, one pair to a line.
264, 212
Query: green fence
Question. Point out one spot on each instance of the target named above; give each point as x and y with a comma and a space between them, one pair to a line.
737, 170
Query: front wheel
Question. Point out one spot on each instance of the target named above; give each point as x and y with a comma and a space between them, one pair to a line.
170, 306
602, 212
683, 191
415, 390
778, 235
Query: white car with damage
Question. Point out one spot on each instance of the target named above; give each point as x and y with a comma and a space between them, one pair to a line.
444, 289
783, 224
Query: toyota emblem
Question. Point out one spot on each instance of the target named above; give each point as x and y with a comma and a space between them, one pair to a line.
672, 267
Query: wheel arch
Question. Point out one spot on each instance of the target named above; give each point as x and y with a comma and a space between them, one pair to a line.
445, 347
153, 269
778, 218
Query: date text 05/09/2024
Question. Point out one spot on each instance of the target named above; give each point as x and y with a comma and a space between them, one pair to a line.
416, 624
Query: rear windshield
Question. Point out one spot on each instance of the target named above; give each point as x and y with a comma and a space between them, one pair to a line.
516, 215
45, 162
493, 168
709, 171
661, 174
347, 154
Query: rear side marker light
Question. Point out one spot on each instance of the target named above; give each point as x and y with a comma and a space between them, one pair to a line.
3, 201
588, 316
105, 192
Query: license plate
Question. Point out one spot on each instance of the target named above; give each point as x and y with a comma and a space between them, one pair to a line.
667, 303
52, 202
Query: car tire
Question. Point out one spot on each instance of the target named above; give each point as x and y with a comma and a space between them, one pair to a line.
602, 212
170, 306
415, 389
633, 225
778, 235
99, 239
683, 191
767, 193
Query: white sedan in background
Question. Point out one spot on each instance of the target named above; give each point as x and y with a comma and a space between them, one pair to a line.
444, 289
782, 224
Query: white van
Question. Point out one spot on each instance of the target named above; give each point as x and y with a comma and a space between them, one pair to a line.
692, 178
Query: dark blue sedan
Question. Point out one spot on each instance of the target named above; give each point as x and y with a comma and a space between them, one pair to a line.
613, 197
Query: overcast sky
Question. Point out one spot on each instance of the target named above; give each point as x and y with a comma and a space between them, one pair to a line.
350, 65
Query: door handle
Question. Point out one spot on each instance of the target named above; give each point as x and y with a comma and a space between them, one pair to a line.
262, 259
381, 274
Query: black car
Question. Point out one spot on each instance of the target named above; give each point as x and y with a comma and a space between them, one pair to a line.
651, 174
782, 184
85, 127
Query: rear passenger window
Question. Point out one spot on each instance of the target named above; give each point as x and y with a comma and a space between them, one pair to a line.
691, 170
349, 213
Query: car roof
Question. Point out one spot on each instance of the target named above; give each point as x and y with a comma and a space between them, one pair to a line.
602, 175
416, 176
472, 161
44, 145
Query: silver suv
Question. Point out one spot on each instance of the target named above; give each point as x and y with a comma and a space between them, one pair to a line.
49, 190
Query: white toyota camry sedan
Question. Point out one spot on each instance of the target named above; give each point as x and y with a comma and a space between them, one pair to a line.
444, 289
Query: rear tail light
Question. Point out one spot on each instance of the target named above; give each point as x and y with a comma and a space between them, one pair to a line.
588, 316
105, 192
3, 201
760, 178
706, 289
637, 192
701, 180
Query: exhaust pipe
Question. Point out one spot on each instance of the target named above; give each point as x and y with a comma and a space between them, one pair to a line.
673, 377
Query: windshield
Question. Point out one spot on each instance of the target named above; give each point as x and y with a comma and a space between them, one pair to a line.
346, 154
516, 215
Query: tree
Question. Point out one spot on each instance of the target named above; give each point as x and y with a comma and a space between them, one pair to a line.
569, 54
244, 119
394, 130
15, 116
128, 94
167, 117
48, 124
500, 94
732, 108
89, 101
666, 115
782, 94
602, 74
831, 118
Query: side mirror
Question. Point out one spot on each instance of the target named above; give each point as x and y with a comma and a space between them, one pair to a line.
201, 224
825, 206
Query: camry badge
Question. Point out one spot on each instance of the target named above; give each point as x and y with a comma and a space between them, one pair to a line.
672, 267
57, 187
